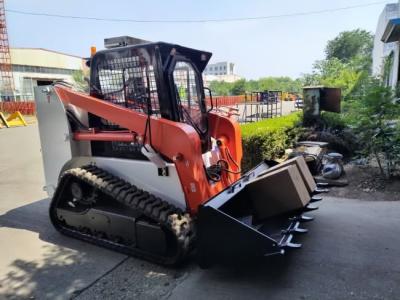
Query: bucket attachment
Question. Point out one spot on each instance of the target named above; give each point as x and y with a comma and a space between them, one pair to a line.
230, 228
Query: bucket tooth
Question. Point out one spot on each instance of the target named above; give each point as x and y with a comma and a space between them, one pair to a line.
310, 208
319, 190
302, 218
315, 199
299, 230
289, 244
293, 245
294, 229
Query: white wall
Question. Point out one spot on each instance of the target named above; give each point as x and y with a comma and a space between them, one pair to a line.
220, 68
24, 81
381, 50
44, 58
27, 91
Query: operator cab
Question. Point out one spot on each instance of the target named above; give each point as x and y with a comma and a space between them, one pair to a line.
158, 79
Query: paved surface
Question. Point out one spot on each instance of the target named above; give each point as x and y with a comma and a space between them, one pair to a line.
351, 252
36, 261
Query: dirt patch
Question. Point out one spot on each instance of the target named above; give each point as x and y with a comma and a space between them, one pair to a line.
366, 183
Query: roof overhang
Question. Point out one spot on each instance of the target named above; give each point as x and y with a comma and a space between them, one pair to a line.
392, 31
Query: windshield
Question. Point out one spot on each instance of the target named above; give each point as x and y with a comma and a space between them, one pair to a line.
189, 94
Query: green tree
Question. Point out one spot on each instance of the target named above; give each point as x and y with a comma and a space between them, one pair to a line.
335, 73
252, 85
220, 88
370, 109
287, 84
349, 45
347, 64
280, 83
79, 81
239, 87
375, 122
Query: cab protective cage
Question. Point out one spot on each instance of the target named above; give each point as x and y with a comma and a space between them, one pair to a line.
126, 67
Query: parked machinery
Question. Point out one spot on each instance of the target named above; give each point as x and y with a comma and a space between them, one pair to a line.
142, 166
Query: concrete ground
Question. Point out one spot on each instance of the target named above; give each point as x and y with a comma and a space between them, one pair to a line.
351, 252
34, 259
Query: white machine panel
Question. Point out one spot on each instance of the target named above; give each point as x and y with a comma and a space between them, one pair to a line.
143, 174
60, 152
54, 135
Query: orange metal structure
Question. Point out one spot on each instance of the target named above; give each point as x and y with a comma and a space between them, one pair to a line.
166, 135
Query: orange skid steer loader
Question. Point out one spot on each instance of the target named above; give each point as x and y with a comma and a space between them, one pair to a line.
140, 165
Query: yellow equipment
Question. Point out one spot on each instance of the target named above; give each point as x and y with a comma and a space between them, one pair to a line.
14, 120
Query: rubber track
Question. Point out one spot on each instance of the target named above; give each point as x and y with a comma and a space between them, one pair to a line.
166, 215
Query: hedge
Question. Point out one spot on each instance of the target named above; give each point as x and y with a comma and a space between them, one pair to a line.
269, 138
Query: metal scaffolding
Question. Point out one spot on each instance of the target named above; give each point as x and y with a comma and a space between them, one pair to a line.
260, 105
6, 75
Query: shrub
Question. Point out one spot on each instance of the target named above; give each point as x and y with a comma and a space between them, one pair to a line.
333, 121
269, 138
377, 126
342, 141
333, 128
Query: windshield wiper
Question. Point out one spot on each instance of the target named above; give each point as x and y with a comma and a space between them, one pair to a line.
190, 119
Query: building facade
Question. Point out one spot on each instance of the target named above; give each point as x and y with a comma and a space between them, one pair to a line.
220, 68
36, 66
220, 71
386, 51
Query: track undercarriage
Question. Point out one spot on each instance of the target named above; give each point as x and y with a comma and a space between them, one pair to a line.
92, 205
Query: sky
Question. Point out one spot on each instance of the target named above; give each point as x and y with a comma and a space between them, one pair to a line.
284, 46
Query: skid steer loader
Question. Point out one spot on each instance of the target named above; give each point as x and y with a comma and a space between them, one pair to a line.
141, 166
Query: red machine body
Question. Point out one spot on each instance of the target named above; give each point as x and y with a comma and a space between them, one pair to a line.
178, 142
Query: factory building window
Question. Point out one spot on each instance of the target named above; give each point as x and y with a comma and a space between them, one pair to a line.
37, 69
27, 86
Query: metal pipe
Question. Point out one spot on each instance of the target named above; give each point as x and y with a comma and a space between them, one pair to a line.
104, 136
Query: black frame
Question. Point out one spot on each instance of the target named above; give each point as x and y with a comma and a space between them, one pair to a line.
162, 56
199, 86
